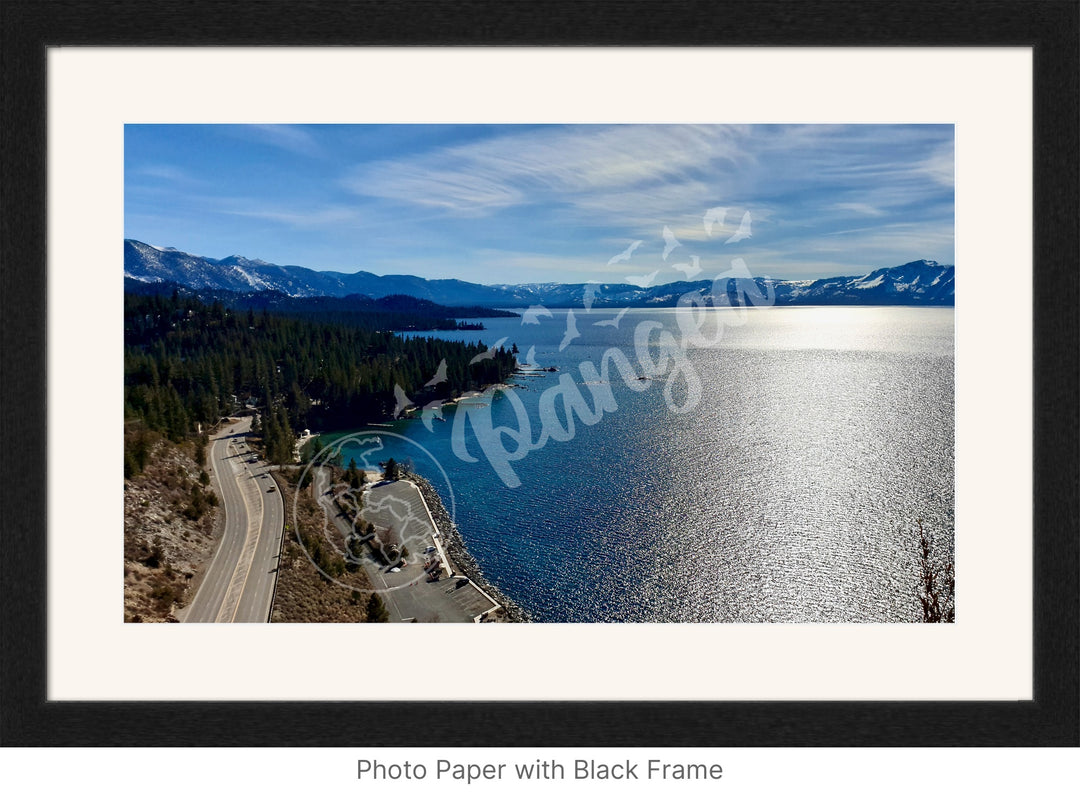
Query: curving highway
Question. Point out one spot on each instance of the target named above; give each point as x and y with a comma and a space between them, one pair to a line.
239, 584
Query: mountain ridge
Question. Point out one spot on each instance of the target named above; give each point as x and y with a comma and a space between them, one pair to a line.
919, 283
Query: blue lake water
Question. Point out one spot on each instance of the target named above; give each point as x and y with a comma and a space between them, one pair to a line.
772, 470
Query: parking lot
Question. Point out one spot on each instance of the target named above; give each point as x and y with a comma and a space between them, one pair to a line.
408, 593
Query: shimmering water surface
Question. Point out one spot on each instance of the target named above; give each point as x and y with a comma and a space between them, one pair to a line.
788, 492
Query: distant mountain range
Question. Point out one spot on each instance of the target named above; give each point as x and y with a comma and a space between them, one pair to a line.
920, 283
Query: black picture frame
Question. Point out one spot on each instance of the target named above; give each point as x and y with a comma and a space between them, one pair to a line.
1053, 30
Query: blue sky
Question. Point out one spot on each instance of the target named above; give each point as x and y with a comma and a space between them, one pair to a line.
532, 203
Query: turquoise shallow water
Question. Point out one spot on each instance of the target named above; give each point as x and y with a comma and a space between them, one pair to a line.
772, 470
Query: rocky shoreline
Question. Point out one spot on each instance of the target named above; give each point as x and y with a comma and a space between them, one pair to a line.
454, 546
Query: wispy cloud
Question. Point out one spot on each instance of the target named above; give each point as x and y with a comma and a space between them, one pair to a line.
859, 208
574, 166
300, 218
940, 166
168, 173
897, 237
286, 137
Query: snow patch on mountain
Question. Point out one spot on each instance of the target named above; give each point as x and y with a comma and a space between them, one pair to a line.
922, 282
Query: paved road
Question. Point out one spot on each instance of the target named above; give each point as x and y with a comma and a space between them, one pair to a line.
239, 585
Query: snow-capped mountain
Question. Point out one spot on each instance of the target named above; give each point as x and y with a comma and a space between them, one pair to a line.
921, 283
915, 283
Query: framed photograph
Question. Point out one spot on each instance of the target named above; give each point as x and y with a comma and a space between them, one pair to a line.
727, 367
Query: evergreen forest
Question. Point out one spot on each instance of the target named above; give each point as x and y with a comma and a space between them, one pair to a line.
188, 363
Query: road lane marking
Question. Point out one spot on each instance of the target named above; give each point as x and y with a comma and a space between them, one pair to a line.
218, 470
243, 564
263, 519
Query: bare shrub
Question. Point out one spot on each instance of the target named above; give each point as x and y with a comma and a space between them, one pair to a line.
937, 583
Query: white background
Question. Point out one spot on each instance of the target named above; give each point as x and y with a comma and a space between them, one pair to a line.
786, 775
986, 655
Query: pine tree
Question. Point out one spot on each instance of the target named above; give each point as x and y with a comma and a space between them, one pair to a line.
391, 471
376, 610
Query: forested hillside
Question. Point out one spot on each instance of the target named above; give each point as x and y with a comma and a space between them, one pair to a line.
392, 312
187, 362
